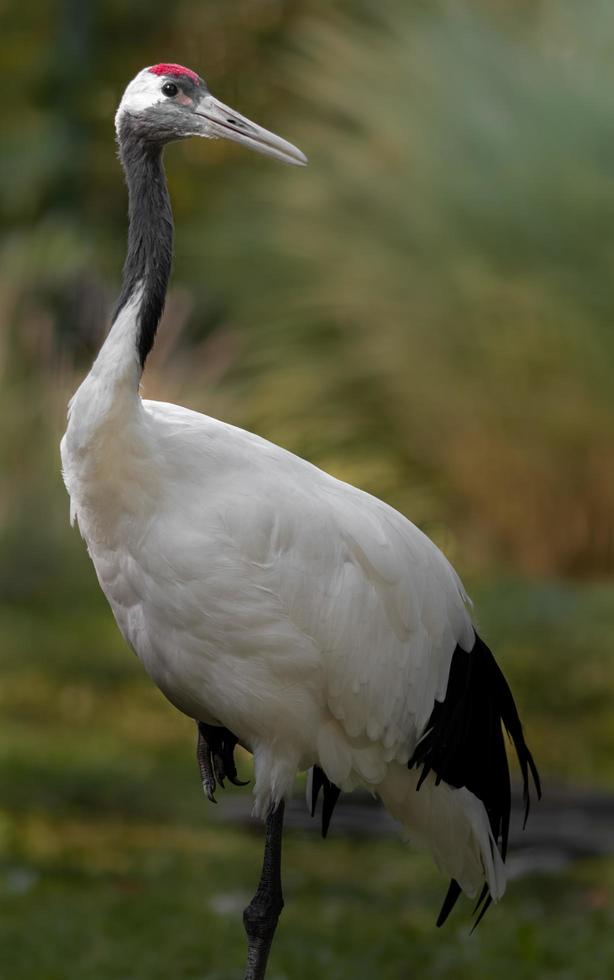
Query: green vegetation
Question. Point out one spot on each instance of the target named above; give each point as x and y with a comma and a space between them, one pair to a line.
426, 311
113, 865
111, 902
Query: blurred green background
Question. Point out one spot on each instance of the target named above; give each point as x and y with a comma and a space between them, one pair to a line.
425, 311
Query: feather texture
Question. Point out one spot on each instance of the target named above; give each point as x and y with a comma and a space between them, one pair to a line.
307, 617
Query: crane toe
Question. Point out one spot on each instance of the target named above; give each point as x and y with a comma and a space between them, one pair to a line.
215, 754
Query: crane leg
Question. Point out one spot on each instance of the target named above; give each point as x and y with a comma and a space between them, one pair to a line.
261, 915
215, 754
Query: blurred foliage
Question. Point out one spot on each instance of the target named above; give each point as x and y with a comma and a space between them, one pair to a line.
445, 267
424, 311
108, 900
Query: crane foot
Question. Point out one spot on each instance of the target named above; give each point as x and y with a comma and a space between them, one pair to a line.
215, 754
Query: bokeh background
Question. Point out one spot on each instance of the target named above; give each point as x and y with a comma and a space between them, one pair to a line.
426, 311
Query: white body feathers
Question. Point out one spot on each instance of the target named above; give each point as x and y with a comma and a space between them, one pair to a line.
309, 618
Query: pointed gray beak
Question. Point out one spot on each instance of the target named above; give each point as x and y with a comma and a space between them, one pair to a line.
220, 122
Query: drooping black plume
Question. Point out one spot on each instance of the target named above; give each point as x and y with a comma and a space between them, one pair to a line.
449, 902
150, 232
463, 745
320, 781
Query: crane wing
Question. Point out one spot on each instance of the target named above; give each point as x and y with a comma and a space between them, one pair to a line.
314, 569
386, 617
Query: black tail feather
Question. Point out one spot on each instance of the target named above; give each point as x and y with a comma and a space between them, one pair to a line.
449, 902
320, 781
463, 745
481, 906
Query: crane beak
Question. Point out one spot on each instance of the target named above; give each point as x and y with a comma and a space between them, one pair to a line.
218, 121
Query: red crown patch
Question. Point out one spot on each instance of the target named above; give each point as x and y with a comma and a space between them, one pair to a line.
176, 70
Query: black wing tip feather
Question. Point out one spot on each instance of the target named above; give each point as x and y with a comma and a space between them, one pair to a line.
320, 781
481, 907
449, 902
463, 745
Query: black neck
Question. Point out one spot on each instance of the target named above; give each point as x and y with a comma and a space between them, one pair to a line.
150, 235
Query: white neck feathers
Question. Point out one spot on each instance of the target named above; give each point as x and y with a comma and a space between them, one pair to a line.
109, 395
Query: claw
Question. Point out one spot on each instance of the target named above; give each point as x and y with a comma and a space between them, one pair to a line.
208, 788
218, 765
237, 782
228, 761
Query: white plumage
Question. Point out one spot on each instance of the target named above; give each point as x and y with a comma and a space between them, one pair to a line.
309, 619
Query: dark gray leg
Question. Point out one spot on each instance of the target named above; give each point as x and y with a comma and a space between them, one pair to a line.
261, 915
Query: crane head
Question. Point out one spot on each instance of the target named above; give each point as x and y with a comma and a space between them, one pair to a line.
167, 102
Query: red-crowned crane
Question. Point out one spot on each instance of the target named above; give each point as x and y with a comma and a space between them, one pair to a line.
278, 607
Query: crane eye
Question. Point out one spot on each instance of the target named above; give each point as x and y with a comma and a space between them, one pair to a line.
169, 89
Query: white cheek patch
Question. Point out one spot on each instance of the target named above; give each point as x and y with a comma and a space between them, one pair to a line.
142, 92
